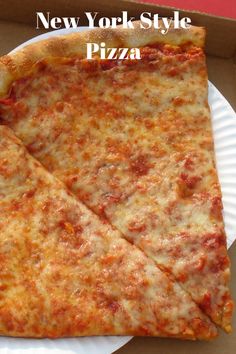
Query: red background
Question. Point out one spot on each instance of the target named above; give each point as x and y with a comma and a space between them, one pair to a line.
226, 8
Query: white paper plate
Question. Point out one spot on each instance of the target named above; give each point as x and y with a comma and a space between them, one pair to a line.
224, 127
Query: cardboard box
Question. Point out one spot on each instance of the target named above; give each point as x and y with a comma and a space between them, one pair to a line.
18, 23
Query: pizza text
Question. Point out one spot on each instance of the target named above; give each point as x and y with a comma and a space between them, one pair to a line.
111, 53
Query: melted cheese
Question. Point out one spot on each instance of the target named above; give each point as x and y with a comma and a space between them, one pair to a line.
133, 141
64, 272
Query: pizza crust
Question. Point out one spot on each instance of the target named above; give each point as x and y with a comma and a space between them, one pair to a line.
17, 64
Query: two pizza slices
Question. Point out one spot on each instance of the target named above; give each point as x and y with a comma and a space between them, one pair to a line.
65, 273
132, 141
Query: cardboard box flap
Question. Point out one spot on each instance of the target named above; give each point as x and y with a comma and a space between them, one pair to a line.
221, 32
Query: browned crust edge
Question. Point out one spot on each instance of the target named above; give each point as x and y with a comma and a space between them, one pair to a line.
17, 64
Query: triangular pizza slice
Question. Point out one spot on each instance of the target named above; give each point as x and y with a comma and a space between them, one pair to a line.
64, 272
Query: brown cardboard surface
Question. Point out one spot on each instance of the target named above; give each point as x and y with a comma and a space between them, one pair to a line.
20, 24
221, 31
17, 24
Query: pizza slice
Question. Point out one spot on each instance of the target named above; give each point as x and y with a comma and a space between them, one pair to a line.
66, 273
132, 139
